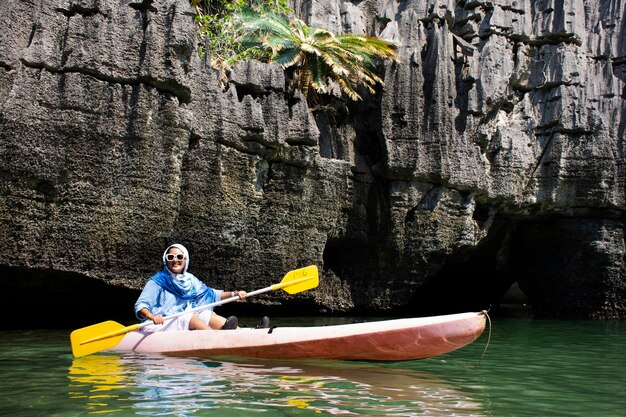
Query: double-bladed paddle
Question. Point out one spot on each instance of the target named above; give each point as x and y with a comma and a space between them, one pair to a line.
106, 335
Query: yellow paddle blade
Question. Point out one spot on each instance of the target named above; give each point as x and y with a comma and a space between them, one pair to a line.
97, 337
299, 280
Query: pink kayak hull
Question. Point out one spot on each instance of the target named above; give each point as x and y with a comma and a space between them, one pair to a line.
389, 340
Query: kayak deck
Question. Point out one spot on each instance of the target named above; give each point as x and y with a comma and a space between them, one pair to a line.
387, 340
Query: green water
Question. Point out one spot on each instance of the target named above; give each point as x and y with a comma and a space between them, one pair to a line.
531, 368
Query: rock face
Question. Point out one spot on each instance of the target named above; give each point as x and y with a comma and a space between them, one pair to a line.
494, 154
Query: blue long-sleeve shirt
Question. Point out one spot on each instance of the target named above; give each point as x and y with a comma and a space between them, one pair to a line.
160, 301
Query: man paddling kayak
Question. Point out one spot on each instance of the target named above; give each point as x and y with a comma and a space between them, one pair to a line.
174, 290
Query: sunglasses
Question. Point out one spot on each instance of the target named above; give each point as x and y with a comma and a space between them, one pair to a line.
178, 257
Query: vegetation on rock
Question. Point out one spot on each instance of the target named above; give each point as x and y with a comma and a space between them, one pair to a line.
316, 60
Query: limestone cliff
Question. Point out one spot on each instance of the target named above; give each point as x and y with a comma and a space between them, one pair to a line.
493, 155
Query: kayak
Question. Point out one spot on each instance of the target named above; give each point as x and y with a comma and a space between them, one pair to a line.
387, 340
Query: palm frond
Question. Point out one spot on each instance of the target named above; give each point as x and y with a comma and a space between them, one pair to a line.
255, 24
319, 75
319, 55
347, 87
288, 57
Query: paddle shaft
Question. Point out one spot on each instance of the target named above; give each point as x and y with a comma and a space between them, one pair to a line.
195, 309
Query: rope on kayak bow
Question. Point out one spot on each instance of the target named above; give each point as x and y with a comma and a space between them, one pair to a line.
486, 313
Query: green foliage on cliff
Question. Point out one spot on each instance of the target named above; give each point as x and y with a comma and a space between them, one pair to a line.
217, 23
316, 59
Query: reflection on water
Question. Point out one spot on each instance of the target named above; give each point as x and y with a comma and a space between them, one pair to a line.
181, 386
98, 379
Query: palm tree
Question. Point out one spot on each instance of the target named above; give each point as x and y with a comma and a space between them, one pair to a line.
317, 56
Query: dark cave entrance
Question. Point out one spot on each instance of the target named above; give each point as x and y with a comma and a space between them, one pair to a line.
481, 279
50, 299
351, 259
469, 285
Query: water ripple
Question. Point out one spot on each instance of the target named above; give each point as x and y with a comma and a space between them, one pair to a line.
164, 385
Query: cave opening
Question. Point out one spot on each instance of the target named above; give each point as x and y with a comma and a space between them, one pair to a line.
479, 279
51, 299
352, 260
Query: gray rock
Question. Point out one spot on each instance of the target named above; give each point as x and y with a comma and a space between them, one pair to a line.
494, 154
